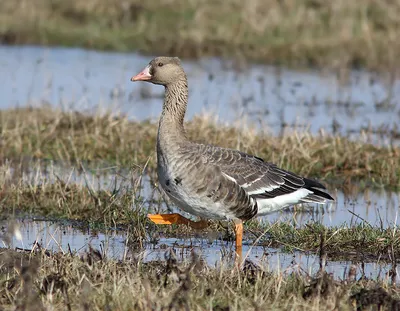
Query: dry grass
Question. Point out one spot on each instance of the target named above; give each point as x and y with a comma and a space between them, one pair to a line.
72, 137
44, 281
307, 32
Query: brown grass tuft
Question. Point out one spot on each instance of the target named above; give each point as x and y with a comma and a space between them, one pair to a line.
64, 282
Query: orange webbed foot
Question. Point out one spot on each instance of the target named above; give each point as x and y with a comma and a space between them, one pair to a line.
166, 219
170, 219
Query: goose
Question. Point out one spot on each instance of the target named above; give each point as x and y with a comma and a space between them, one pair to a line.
211, 182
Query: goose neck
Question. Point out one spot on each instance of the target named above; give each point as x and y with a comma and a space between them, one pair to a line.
174, 109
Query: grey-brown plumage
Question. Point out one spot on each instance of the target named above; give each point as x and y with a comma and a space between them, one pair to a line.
214, 182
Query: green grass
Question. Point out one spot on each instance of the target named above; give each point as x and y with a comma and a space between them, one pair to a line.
46, 281
299, 33
359, 242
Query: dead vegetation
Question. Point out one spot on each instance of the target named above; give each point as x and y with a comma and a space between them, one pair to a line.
103, 140
302, 33
47, 281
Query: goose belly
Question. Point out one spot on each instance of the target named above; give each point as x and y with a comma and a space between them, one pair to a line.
196, 206
186, 198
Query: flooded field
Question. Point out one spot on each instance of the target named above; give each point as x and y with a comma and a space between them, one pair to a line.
358, 104
354, 206
375, 208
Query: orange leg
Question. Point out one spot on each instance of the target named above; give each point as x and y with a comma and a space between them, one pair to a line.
169, 219
239, 239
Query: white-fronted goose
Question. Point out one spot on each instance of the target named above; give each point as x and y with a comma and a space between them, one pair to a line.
213, 182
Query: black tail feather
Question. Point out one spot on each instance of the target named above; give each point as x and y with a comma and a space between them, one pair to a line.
321, 194
312, 185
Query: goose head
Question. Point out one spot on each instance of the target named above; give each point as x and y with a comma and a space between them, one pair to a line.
162, 70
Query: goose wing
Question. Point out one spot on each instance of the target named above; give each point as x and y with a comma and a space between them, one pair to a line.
260, 179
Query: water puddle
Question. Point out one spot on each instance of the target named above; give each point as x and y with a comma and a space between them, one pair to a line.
268, 97
379, 207
65, 237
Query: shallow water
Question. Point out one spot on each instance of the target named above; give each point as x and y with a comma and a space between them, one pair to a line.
267, 97
64, 237
375, 207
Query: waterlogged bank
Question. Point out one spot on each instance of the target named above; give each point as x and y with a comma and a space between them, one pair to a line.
276, 247
359, 225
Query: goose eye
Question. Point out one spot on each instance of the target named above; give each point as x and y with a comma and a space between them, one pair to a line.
160, 64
